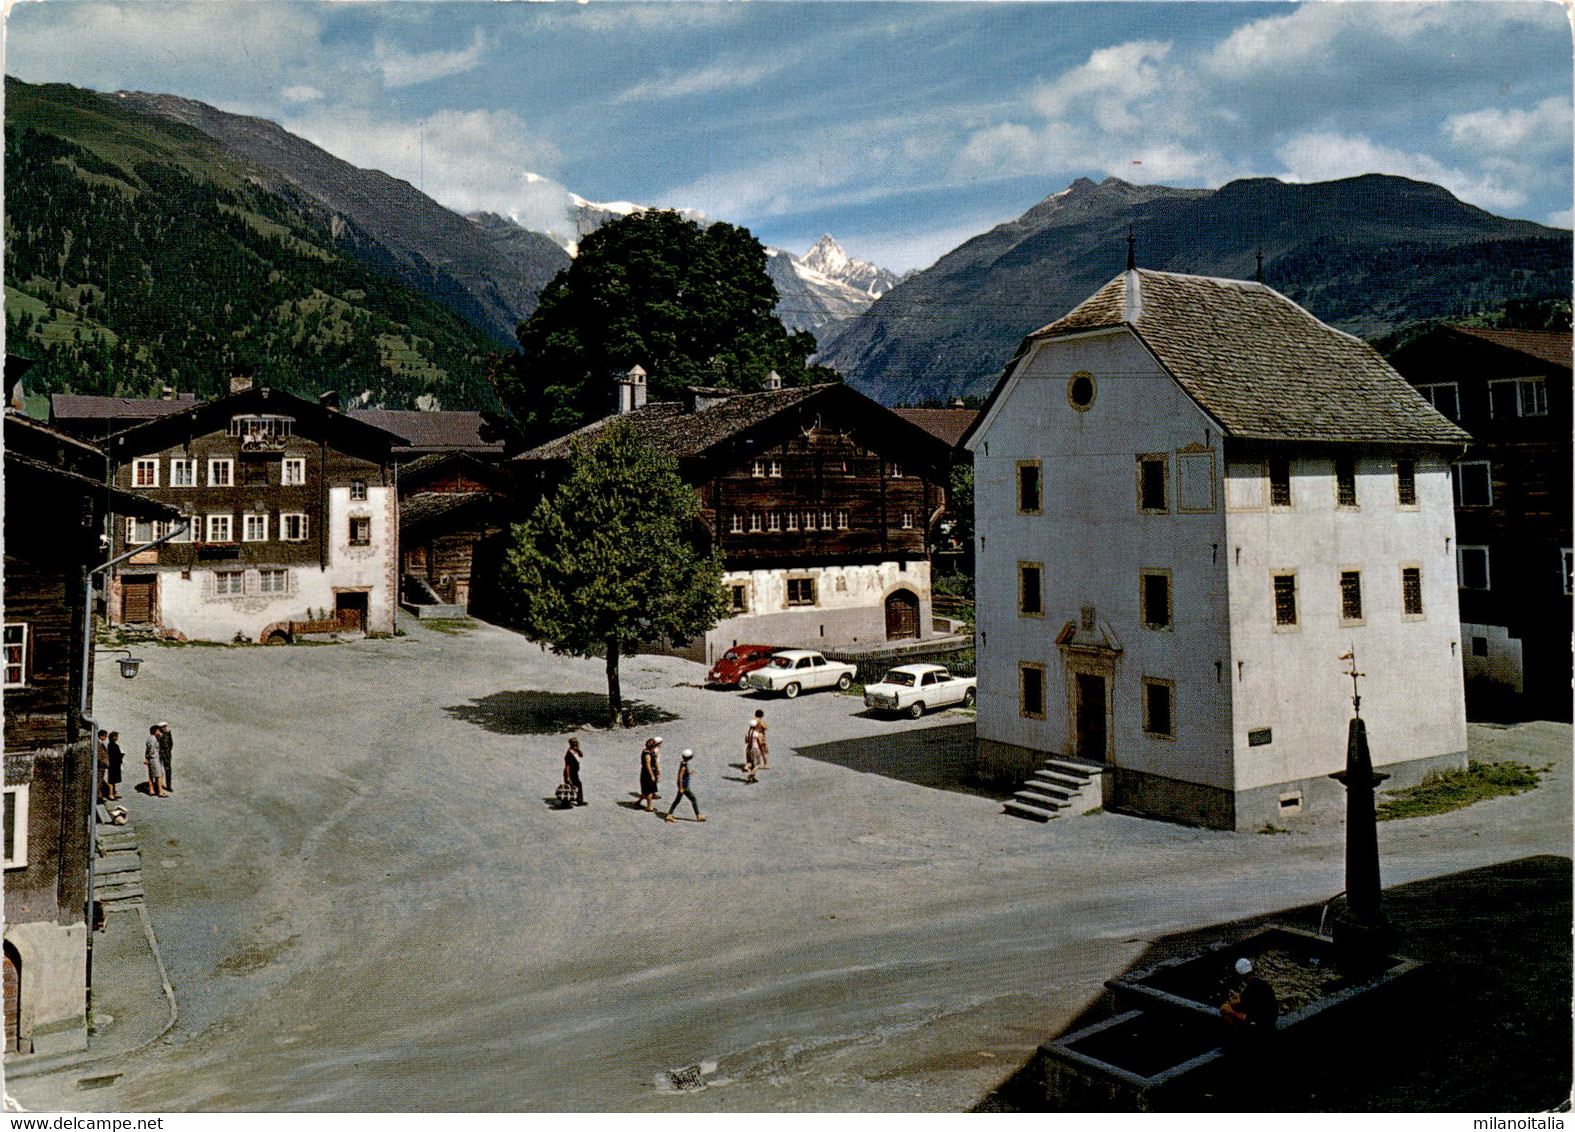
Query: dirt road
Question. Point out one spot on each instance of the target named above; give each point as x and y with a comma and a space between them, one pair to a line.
365, 904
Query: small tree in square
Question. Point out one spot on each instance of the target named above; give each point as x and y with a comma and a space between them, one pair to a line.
610, 560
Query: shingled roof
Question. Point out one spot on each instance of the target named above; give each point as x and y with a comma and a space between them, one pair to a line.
670, 431
1552, 346
446, 430
1259, 364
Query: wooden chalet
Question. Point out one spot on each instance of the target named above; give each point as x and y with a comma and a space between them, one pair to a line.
1511, 390
295, 519
455, 511
57, 506
824, 504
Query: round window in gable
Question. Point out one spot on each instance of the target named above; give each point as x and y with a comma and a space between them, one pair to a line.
1080, 390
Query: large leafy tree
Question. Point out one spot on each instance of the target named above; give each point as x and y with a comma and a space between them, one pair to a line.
691, 305
609, 561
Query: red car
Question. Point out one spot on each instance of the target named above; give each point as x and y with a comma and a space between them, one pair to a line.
738, 662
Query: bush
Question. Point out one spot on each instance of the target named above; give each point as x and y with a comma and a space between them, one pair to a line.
1447, 790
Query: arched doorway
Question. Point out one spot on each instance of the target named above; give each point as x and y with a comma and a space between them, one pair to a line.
13, 998
902, 615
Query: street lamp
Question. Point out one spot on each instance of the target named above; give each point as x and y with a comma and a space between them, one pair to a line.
128, 664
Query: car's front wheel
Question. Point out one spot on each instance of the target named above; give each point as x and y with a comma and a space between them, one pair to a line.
844, 682
917, 710
743, 682
791, 691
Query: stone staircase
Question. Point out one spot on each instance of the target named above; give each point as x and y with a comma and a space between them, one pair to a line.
1060, 786
117, 873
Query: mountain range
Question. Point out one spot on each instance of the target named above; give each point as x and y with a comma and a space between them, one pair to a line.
1365, 254
153, 239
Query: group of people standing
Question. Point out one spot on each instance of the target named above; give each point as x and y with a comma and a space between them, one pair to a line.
756, 758
157, 754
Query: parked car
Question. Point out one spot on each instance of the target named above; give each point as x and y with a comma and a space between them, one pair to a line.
916, 688
792, 671
738, 662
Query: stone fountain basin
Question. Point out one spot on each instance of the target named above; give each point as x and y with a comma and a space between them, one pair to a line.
1127, 1063
1302, 968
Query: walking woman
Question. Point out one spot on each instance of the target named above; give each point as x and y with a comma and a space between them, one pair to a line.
755, 751
571, 770
682, 785
650, 772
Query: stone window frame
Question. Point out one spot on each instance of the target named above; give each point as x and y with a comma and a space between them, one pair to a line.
224, 579
1295, 622
1144, 459
1347, 471
211, 527
1024, 667
361, 523
358, 492
145, 472
305, 522
1405, 484
1406, 613
1038, 590
740, 597
1039, 487
801, 582
186, 465
1144, 573
1346, 576
1281, 486
274, 573
1169, 687
289, 464
214, 465
246, 526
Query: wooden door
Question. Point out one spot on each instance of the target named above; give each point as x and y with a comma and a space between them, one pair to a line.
351, 610
13, 999
902, 615
1091, 718
136, 599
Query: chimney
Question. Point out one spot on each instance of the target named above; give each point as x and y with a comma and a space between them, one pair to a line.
773, 380
329, 399
631, 390
167, 393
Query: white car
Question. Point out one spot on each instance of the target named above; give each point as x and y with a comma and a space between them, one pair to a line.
793, 671
916, 688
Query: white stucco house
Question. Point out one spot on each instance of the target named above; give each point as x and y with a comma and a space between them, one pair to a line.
292, 519
1193, 499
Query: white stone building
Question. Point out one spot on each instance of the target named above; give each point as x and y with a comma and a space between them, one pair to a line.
1192, 499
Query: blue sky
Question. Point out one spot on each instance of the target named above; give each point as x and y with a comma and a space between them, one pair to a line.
900, 128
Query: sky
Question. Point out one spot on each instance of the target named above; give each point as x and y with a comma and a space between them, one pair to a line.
902, 129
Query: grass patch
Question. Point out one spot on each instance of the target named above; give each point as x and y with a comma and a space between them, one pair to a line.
450, 626
855, 690
1447, 790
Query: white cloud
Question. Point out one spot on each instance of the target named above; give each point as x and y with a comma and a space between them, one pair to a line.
467, 160
1543, 129
404, 68
1328, 156
1106, 86
302, 94
728, 75
1564, 218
